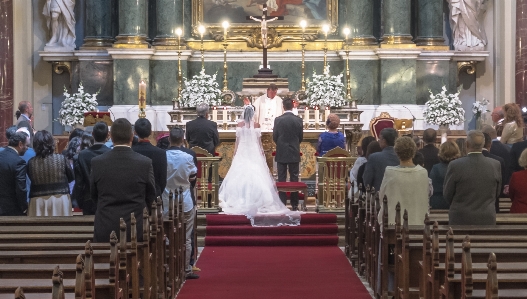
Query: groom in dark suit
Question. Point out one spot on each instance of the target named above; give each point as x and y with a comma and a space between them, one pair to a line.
287, 134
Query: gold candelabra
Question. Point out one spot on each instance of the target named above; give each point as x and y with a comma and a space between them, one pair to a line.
303, 44
352, 102
142, 99
201, 30
225, 44
179, 32
325, 28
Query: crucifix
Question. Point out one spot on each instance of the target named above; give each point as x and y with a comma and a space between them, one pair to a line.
264, 72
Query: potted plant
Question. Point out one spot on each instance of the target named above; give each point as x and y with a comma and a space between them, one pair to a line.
325, 91
75, 105
443, 110
478, 108
202, 88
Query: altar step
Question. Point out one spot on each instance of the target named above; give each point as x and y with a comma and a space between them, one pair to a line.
202, 229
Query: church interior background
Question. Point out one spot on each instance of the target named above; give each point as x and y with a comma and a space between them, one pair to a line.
396, 52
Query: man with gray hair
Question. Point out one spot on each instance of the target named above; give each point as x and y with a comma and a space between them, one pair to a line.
201, 131
472, 184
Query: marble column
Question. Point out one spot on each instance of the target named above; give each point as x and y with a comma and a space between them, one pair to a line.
396, 16
358, 16
521, 53
169, 17
6, 67
98, 30
430, 23
132, 24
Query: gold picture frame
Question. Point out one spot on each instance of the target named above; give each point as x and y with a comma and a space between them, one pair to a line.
211, 14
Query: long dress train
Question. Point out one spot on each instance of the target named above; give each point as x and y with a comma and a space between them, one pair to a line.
249, 189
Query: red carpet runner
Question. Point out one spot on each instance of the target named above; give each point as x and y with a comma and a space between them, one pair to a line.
314, 230
274, 272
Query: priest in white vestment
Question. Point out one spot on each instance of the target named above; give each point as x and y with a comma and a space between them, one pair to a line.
268, 107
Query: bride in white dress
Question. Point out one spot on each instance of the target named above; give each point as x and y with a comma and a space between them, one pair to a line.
248, 188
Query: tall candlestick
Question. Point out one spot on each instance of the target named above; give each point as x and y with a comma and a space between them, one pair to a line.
303, 82
325, 28
317, 115
224, 114
179, 32
201, 30
214, 114
306, 115
142, 99
225, 25
326, 113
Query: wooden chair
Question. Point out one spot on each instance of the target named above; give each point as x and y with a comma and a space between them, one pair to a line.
289, 187
381, 122
207, 169
334, 169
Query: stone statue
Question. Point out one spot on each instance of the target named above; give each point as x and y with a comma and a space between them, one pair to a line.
467, 27
60, 17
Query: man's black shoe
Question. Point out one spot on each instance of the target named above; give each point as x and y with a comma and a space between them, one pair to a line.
192, 276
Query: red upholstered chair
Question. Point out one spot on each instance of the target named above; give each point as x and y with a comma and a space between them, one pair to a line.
381, 122
204, 189
332, 177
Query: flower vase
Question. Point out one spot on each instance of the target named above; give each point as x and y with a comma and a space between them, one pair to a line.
78, 126
443, 129
479, 122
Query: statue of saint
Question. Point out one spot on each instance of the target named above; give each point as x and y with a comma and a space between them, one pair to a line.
467, 26
60, 17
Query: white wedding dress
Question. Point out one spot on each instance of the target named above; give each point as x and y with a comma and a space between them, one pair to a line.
249, 189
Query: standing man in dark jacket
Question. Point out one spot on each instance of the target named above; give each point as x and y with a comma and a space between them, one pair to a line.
377, 162
122, 182
287, 134
201, 131
430, 151
13, 192
143, 129
82, 167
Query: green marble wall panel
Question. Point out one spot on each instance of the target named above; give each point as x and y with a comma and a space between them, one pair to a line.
397, 81
133, 17
364, 77
358, 16
431, 75
163, 80
152, 19
127, 75
98, 19
187, 18
169, 17
97, 76
430, 18
397, 17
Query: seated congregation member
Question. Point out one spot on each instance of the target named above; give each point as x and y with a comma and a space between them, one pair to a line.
50, 175
81, 190
374, 170
513, 125
419, 159
162, 141
86, 141
122, 182
486, 152
201, 131
430, 151
516, 151
143, 129
180, 172
373, 147
71, 151
472, 184
13, 192
447, 153
361, 151
332, 138
518, 187
406, 184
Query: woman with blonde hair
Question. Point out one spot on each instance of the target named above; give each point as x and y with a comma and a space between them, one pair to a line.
406, 184
513, 125
448, 151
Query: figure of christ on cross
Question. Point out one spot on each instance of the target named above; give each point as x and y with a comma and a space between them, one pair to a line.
263, 20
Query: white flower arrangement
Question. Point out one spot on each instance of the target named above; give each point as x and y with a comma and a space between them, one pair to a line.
75, 105
201, 88
444, 109
325, 90
480, 107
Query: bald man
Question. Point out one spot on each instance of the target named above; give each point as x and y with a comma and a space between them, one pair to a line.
472, 184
